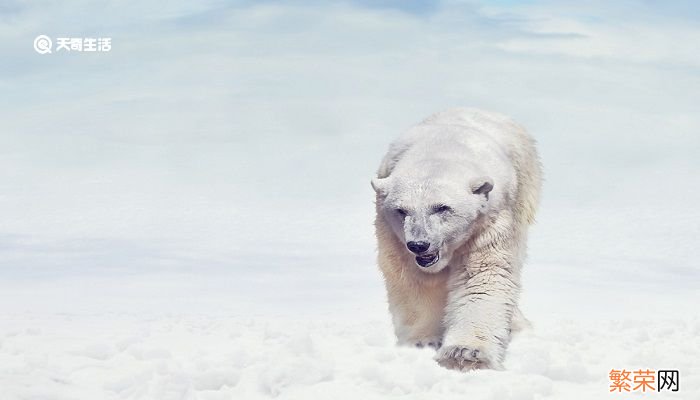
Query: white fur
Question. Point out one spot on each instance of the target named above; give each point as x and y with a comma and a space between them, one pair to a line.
467, 183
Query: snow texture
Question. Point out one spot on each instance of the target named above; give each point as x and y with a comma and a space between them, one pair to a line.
194, 357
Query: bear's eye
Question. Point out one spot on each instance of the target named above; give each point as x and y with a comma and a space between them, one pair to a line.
441, 208
401, 212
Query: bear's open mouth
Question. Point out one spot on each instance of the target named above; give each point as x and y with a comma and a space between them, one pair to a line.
426, 260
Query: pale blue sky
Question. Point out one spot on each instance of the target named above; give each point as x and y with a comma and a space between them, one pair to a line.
223, 135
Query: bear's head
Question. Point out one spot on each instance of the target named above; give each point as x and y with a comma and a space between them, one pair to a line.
432, 217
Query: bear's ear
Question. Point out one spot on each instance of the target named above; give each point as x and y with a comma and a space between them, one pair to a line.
380, 185
482, 185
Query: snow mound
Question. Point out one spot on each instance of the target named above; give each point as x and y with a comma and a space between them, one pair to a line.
213, 358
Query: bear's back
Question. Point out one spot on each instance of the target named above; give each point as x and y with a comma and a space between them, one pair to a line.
474, 128
468, 136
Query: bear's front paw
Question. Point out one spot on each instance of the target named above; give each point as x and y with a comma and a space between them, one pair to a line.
465, 358
434, 342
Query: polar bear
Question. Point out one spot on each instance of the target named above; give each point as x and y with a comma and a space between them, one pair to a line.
455, 195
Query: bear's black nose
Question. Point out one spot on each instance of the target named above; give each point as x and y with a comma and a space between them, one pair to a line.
418, 247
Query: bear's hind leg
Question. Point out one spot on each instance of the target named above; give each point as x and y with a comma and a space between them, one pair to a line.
519, 323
